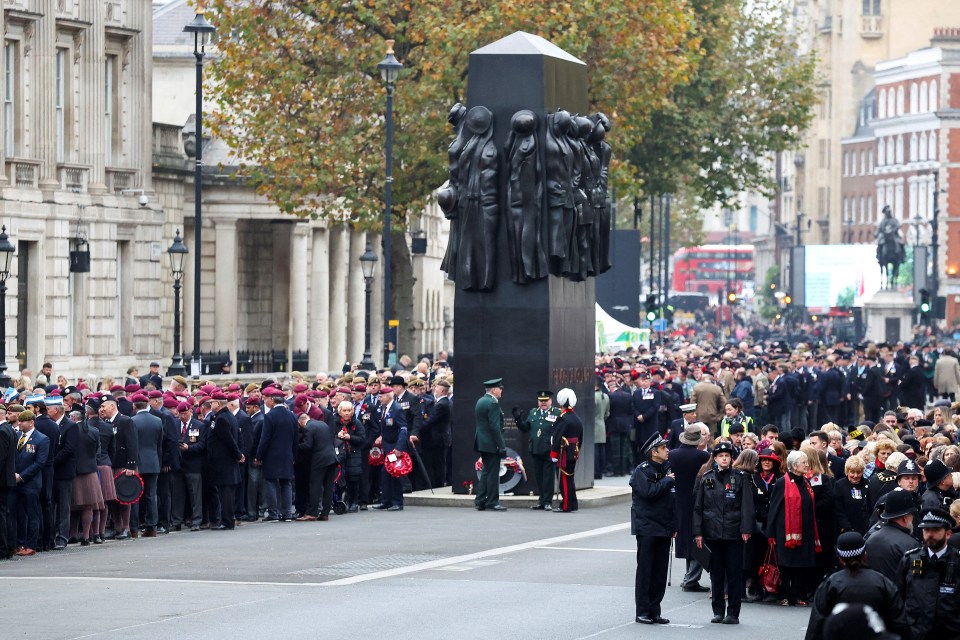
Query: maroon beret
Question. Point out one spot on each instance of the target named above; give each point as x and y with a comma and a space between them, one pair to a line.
170, 402
233, 396
183, 406
233, 387
132, 388
301, 400
386, 390
138, 397
359, 388
154, 394
219, 396
252, 401
116, 387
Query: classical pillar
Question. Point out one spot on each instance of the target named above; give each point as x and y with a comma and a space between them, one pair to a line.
376, 303
94, 83
338, 296
319, 301
298, 287
225, 286
355, 297
44, 51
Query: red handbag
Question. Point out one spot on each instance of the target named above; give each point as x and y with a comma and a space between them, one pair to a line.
769, 571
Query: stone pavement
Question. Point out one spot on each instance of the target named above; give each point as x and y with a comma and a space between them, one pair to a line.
419, 573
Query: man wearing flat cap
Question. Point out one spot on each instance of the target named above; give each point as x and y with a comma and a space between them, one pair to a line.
540, 423
488, 442
32, 451
654, 522
929, 579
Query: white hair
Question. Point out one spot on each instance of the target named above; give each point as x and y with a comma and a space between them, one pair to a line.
794, 458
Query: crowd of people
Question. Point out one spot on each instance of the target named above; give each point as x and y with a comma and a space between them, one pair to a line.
83, 463
799, 476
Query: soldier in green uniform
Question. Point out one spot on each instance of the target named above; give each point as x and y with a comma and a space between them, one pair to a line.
488, 442
540, 424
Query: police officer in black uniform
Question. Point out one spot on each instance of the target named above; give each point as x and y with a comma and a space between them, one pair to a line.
887, 544
723, 518
940, 491
930, 581
856, 583
653, 520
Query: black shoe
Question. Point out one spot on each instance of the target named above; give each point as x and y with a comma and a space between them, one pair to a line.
194, 527
271, 519
537, 507
98, 540
122, 536
717, 619
753, 597
84, 542
250, 519
59, 546
731, 620
363, 507
110, 534
395, 507
162, 530
645, 620
73, 540
352, 508
223, 527
380, 507
497, 507
661, 620
695, 587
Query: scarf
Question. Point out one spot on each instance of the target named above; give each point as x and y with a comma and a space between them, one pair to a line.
793, 514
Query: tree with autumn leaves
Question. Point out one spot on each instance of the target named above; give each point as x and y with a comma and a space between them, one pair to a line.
299, 98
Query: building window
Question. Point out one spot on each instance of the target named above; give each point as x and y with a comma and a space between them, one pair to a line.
922, 148
934, 98
914, 98
754, 214
846, 209
881, 152
871, 7
913, 201
862, 216
932, 146
870, 162
882, 104
898, 210
869, 206
891, 103
11, 83
899, 159
914, 155
924, 97
900, 101
863, 163
111, 109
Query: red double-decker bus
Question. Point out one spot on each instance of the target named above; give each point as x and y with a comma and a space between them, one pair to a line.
708, 268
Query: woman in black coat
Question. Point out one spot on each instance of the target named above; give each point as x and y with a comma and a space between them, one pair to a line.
352, 434
851, 499
791, 519
723, 520
87, 496
763, 480
822, 483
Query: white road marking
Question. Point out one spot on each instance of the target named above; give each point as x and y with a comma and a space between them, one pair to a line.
589, 549
366, 577
628, 624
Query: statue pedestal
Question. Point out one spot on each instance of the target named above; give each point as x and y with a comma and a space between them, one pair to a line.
889, 317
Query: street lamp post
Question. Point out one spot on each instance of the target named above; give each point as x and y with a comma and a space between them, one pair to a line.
202, 31
178, 253
389, 71
6, 257
368, 264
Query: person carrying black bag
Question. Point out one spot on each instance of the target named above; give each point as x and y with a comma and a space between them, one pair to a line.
723, 517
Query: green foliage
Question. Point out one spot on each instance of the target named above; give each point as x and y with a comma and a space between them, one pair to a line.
750, 95
300, 100
769, 305
845, 298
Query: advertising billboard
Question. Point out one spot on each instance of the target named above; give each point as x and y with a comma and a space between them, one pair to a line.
841, 275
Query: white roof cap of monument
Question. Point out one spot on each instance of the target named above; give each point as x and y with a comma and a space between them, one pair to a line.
521, 43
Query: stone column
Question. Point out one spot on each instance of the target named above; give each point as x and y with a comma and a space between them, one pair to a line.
355, 297
338, 296
376, 302
44, 51
225, 287
298, 287
319, 301
94, 84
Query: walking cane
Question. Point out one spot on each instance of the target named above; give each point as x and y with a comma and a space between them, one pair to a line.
670, 566
426, 476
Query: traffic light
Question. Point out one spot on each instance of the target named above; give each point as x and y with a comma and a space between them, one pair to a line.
651, 307
787, 300
924, 303
732, 298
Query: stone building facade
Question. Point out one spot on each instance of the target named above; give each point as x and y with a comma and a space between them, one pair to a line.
94, 114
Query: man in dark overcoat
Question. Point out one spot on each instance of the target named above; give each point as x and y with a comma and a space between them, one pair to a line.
685, 461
